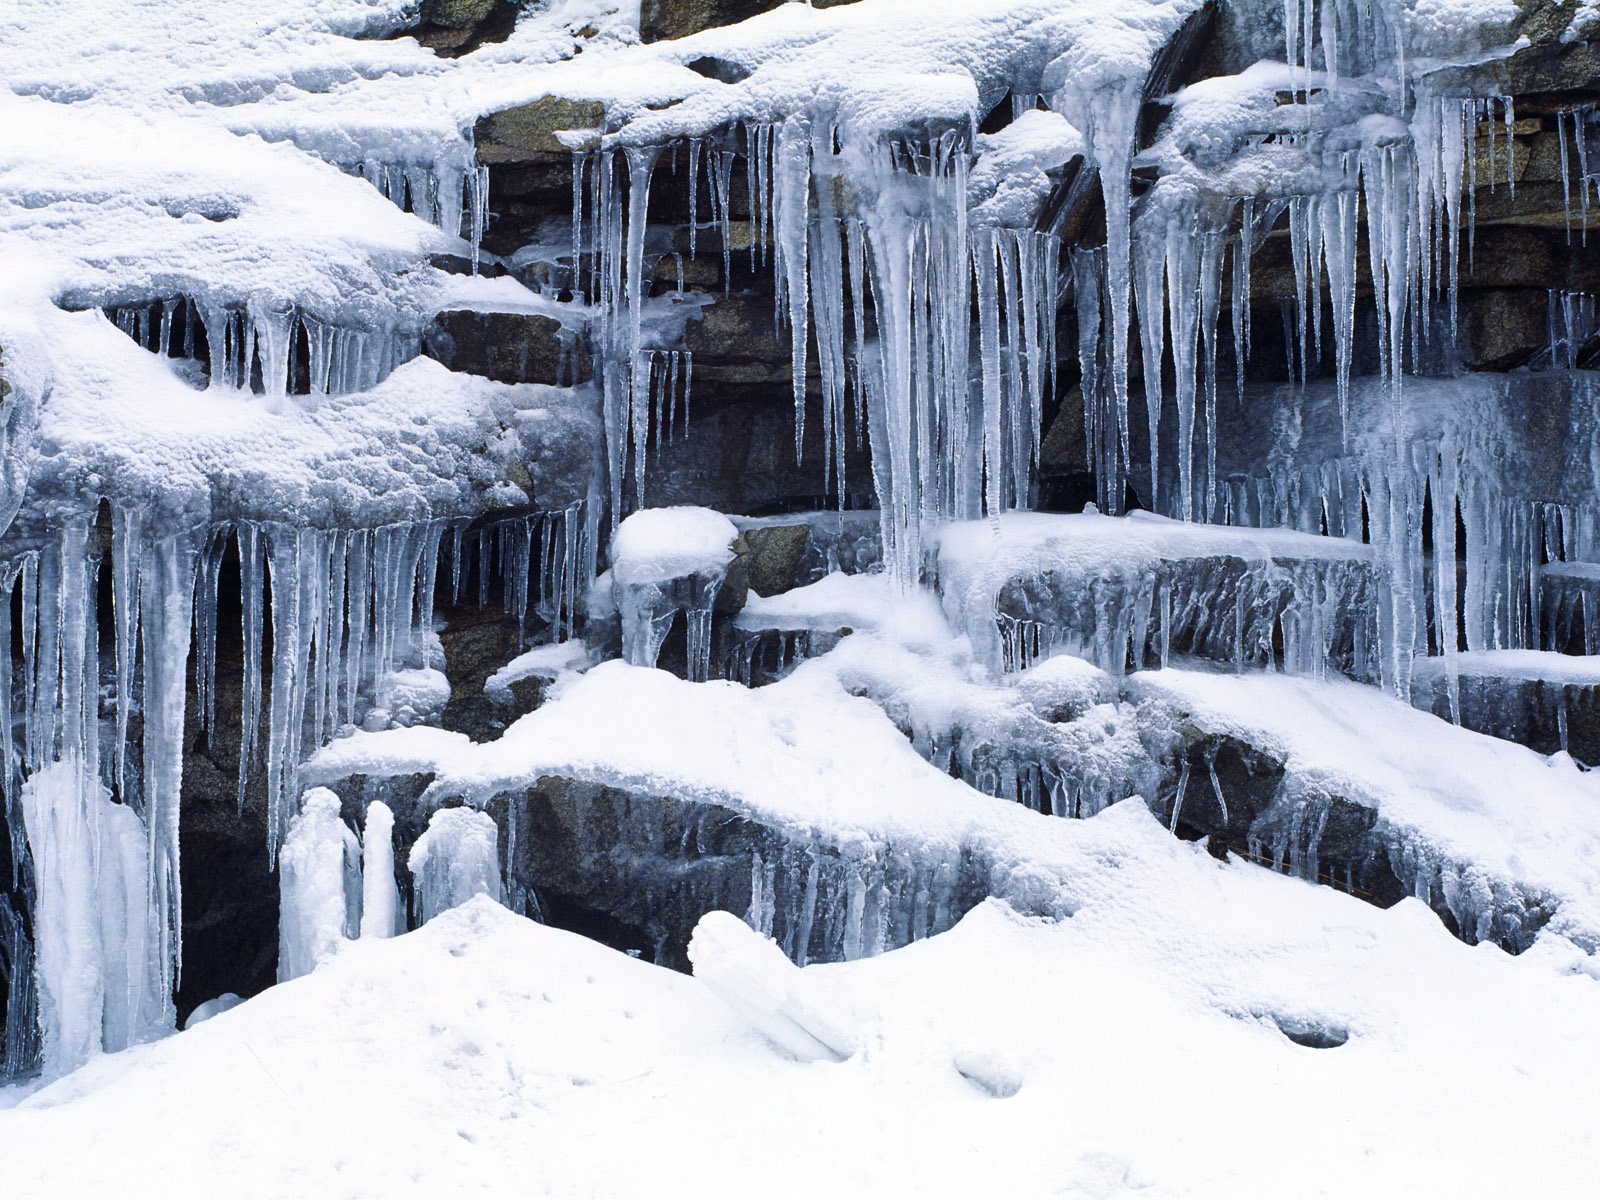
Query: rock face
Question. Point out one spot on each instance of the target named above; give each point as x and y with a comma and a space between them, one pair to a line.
661, 20
509, 347
454, 27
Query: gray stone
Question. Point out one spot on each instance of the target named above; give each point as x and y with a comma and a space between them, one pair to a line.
527, 133
451, 28
1502, 327
660, 20
508, 347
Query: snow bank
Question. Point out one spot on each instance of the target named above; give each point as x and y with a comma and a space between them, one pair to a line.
1477, 823
484, 1051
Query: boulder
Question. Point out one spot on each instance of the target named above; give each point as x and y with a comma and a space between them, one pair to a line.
451, 28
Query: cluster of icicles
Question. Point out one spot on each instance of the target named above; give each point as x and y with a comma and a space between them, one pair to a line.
269, 351
1415, 198
453, 196
347, 609
877, 234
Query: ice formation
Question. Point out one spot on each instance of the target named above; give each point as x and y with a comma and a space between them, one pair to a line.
319, 870
666, 561
381, 914
457, 858
973, 214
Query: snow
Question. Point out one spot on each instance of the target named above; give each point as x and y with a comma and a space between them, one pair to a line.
542, 662
210, 1008
485, 1052
248, 166
1579, 669
403, 451
658, 545
1505, 819
836, 601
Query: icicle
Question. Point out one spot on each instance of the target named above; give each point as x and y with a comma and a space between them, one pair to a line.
127, 552
641, 162
252, 580
791, 204
166, 613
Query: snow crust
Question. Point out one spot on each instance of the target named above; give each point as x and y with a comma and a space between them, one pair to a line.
551, 661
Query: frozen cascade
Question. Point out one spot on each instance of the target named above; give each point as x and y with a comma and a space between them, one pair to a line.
319, 880
456, 858
381, 914
19, 1036
844, 220
1573, 320
99, 975
269, 351
1129, 592
348, 607
453, 195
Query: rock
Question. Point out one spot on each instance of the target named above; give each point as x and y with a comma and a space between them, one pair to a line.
451, 28
508, 347
1546, 715
1064, 451
767, 560
527, 133
660, 20
1546, 68
638, 870
1502, 327
477, 643
735, 341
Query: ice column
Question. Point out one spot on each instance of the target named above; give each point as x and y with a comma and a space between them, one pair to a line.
99, 979
380, 898
456, 858
319, 869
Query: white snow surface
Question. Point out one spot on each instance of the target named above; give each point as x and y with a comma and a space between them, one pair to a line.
484, 1053
1491, 805
542, 662
658, 545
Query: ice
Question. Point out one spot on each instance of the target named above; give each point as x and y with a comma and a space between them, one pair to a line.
455, 859
381, 914
1123, 591
213, 1007
320, 886
666, 561
751, 975
99, 970
21, 1028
